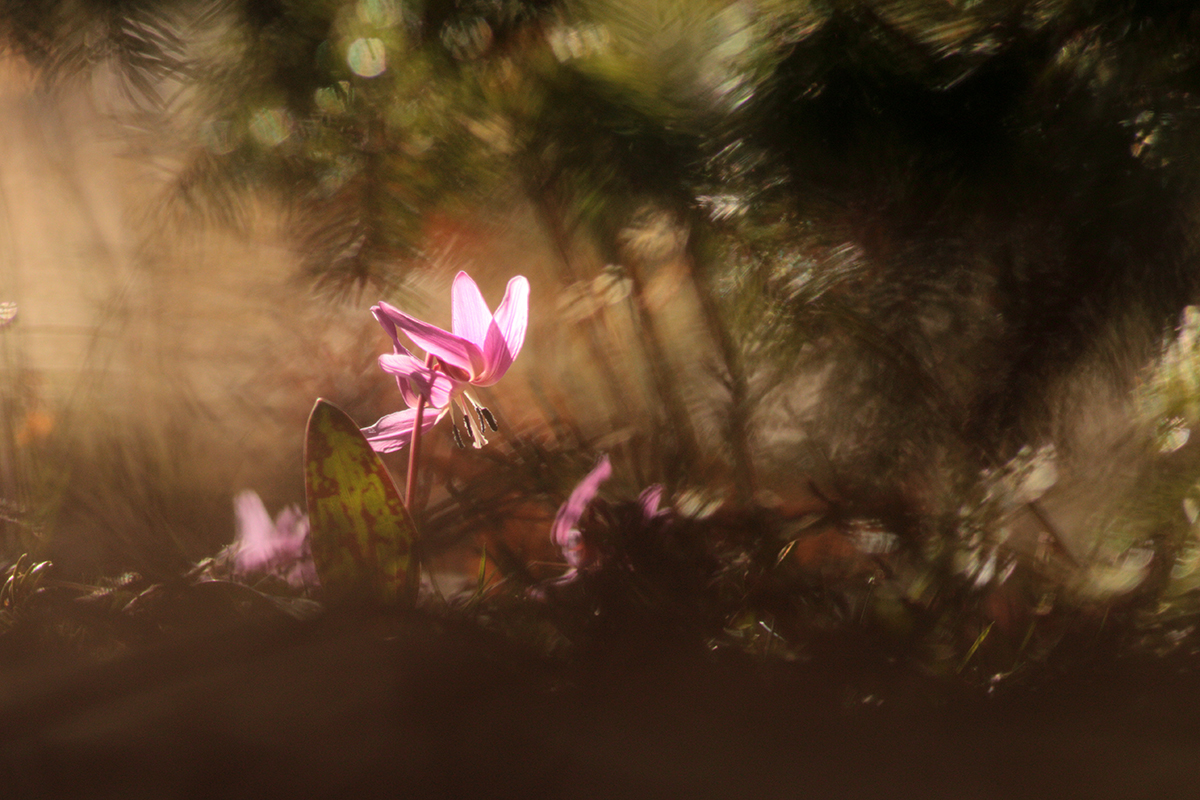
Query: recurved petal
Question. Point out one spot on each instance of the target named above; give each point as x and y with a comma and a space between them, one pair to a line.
570, 511
402, 366
394, 431
469, 314
414, 378
449, 348
437, 388
506, 333
382, 314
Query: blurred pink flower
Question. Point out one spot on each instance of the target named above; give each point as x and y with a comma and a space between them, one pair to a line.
277, 547
648, 501
565, 531
477, 351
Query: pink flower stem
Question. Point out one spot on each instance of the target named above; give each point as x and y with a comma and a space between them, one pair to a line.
410, 481
410, 491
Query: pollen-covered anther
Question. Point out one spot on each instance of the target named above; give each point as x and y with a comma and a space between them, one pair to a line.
470, 433
487, 415
457, 436
477, 438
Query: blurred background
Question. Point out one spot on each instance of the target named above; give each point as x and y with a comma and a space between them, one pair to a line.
928, 263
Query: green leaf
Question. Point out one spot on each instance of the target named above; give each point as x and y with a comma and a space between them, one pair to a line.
363, 539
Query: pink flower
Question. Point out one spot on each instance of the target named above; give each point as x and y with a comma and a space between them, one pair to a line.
278, 547
565, 531
582, 555
477, 351
648, 502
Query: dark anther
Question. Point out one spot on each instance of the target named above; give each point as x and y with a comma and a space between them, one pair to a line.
483, 412
467, 425
457, 436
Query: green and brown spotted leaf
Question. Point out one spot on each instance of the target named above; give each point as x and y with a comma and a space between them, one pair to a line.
363, 539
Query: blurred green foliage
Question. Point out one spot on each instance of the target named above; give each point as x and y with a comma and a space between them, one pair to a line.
944, 208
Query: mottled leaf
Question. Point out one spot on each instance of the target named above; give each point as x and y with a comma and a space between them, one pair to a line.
363, 539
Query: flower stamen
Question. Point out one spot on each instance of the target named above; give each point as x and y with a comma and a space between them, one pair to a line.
470, 433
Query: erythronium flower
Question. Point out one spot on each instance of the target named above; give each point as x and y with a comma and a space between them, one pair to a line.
277, 547
648, 501
477, 351
565, 531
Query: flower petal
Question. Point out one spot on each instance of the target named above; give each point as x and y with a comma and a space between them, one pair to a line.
570, 511
469, 314
255, 533
649, 499
414, 379
280, 547
437, 387
574, 549
455, 351
291, 524
506, 333
389, 326
393, 432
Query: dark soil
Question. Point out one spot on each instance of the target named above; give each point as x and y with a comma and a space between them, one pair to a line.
370, 705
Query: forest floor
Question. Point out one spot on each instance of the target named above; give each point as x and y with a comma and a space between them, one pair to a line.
214, 694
